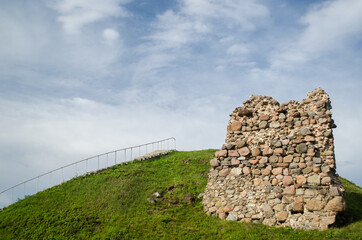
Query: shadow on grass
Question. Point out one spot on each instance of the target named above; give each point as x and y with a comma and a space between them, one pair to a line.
353, 198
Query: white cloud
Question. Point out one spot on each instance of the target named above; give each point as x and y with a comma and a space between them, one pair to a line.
331, 24
219, 26
196, 18
110, 34
332, 27
75, 14
238, 49
231, 13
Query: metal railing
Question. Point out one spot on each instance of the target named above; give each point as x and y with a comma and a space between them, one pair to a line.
85, 166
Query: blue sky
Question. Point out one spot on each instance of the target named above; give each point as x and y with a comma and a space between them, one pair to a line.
80, 77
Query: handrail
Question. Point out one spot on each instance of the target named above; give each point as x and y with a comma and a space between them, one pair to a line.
171, 140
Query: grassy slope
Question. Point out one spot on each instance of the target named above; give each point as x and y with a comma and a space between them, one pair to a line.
113, 205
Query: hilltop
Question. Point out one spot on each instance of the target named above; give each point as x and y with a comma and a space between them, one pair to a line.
153, 199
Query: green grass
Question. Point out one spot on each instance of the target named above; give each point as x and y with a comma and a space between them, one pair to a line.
113, 204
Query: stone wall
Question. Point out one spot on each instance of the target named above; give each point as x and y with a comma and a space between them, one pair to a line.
277, 165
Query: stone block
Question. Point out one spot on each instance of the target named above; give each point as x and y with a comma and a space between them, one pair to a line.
314, 180
289, 190
337, 204
314, 205
235, 126
214, 163
288, 159
244, 151
282, 216
287, 180
233, 153
221, 153
224, 172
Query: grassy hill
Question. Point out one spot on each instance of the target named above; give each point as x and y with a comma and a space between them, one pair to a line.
118, 203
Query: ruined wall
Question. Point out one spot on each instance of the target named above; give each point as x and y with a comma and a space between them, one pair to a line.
277, 165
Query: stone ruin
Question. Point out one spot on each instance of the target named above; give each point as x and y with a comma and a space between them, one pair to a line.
278, 165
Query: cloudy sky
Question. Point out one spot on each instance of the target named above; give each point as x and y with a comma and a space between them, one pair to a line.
80, 77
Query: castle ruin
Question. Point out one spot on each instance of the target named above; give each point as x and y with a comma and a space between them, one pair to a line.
278, 165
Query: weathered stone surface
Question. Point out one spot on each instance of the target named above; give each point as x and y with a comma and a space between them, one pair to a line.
298, 207
309, 138
222, 215
244, 151
314, 205
264, 117
314, 180
214, 163
267, 151
257, 181
333, 191
273, 159
263, 124
225, 163
279, 151
287, 180
235, 162
235, 126
282, 216
224, 172
329, 220
254, 161
255, 152
277, 171
244, 112
221, 153
265, 172
233, 153
240, 143
233, 216
305, 131
301, 148
263, 160
337, 204
236, 172
277, 165
275, 124
301, 180
228, 209
246, 170
289, 190
288, 159
326, 180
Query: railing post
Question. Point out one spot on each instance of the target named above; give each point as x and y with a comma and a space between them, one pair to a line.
125, 155
107, 160
131, 153
98, 162
24, 189
115, 157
